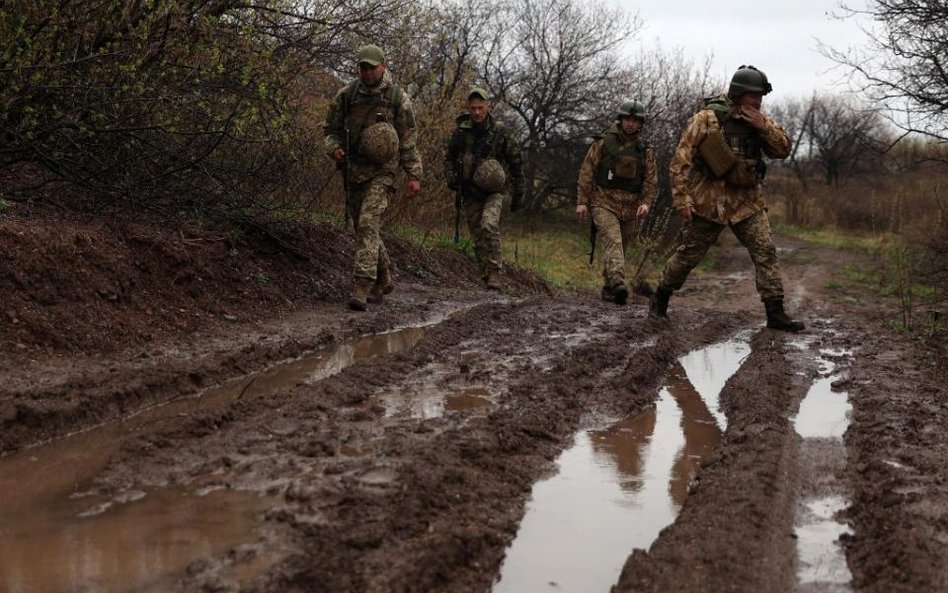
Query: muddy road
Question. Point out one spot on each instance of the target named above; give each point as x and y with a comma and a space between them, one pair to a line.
455, 440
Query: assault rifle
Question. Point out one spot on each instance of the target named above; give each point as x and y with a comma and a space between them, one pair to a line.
343, 165
593, 231
458, 199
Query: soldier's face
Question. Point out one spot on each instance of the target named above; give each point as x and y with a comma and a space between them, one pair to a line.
478, 108
371, 75
630, 125
753, 100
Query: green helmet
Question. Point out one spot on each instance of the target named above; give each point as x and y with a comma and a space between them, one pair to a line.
748, 79
631, 108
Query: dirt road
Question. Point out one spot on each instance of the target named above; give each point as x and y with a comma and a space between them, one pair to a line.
427, 444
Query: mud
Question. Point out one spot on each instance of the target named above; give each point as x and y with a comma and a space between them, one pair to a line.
412, 468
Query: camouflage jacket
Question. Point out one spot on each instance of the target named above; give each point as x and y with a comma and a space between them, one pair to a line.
394, 106
715, 198
620, 202
470, 144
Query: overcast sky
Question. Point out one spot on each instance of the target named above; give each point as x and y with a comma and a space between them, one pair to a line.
779, 37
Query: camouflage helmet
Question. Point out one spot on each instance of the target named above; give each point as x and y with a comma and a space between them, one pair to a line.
631, 108
490, 176
748, 79
379, 143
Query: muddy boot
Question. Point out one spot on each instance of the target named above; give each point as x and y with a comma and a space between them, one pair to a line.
778, 319
384, 285
360, 294
643, 288
658, 303
621, 293
606, 294
492, 280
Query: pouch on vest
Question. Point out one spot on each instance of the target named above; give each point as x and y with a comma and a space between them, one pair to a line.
626, 167
717, 154
743, 173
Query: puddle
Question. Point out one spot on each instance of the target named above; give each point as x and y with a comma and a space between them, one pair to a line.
824, 413
42, 526
820, 557
426, 400
821, 422
140, 546
617, 488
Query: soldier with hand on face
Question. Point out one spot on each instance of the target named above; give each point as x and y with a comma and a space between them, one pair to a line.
618, 183
482, 153
716, 175
370, 128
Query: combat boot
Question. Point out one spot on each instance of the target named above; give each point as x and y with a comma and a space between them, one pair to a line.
658, 303
492, 281
620, 293
384, 285
606, 294
360, 294
778, 319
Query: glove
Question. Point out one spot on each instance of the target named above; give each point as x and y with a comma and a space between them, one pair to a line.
516, 203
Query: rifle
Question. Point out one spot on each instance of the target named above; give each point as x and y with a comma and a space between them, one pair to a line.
458, 200
593, 231
343, 165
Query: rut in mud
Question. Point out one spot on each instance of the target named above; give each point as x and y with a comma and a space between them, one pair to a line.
418, 448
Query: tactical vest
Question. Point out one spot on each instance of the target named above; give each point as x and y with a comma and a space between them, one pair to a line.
743, 140
622, 165
477, 149
362, 110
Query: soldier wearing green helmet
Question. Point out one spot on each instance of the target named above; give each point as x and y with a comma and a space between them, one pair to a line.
717, 177
370, 133
618, 183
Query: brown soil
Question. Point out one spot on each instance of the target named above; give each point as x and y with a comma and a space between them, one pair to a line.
102, 319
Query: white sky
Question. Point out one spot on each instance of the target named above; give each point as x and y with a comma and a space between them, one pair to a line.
778, 36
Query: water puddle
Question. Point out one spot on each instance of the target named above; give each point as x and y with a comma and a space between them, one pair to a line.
616, 488
426, 400
140, 546
52, 541
821, 422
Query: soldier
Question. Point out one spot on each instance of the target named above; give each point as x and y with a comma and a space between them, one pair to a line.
618, 182
479, 151
370, 131
716, 176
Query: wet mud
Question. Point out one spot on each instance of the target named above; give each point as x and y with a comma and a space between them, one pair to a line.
458, 440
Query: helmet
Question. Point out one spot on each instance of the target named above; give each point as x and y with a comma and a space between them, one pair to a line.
490, 176
748, 79
379, 143
631, 108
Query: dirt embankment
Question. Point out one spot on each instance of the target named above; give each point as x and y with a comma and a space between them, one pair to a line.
365, 497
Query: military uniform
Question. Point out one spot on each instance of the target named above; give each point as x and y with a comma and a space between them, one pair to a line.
721, 201
470, 146
716, 172
617, 176
371, 184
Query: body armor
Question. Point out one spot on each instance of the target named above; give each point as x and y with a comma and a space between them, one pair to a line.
622, 165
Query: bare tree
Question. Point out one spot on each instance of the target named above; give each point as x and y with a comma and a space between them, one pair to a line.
550, 62
903, 67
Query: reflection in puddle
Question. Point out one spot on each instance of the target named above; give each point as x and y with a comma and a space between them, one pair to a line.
617, 488
34, 483
141, 546
818, 532
822, 420
824, 413
709, 369
426, 400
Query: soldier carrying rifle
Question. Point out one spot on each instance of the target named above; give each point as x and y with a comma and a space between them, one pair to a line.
370, 129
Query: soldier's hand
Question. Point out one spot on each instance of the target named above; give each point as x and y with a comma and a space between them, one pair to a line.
581, 212
686, 212
339, 154
753, 116
413, 187
642, 211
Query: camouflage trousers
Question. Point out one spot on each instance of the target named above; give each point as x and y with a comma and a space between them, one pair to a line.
367, 204
698, 236
614, 235
483, 222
